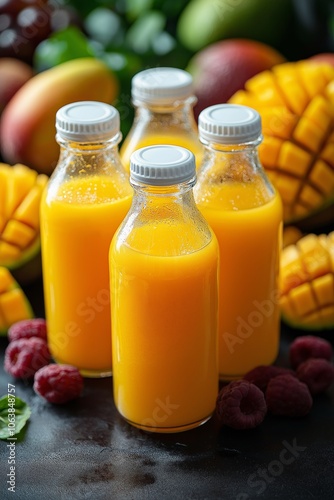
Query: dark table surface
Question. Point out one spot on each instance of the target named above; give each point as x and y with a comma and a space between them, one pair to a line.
84, 450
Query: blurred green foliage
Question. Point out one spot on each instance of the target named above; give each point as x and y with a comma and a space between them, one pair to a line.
131, 35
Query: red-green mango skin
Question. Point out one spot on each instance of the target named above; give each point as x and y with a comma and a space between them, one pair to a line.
27, 130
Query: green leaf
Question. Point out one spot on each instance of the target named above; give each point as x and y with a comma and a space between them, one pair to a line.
60, 47
12, 422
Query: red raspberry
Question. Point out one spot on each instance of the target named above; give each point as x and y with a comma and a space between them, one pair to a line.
28, 328
307, 347
241, 405
58, 383
289, 397
23, 357
317, 374
261, 375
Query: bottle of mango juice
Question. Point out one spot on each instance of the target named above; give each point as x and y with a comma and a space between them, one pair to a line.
164, 285
86, 199
164, 100
245, 212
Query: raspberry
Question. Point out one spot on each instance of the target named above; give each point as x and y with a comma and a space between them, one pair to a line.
28, 328
58, 383
261, 375
241, 405
23, 357
289, 397
307, 347
317, 374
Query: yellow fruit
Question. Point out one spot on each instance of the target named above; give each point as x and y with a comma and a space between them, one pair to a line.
14, 305
307, 282
296, 103
20, 194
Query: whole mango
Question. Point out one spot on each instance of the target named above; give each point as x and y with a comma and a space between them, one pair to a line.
27, 129
222, 68
296, 103
14, 73
307, 282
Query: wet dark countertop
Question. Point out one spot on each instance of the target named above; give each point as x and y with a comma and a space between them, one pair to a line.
84, 450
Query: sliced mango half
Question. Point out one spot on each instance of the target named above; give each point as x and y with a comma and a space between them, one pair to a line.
20, 195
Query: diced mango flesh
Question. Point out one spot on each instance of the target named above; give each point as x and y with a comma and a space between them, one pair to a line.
18, 234
307, 282
6, 279
20, 194
296, 103
14, 305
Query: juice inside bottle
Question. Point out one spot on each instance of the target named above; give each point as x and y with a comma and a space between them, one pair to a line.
80, 225
86, 200
245, 213
164, 318
248, 294
164, 100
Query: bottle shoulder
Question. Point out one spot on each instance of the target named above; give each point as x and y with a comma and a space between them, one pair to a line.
164, 228
79, 181
233, 181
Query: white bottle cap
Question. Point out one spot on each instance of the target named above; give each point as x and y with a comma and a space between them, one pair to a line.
162, 85
163, 165
229, 124
86, 121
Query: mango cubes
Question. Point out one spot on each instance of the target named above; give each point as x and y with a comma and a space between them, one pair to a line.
307, 282
296, 103
14, 305
20, 194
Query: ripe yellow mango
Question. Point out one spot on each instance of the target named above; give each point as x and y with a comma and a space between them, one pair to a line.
27, 130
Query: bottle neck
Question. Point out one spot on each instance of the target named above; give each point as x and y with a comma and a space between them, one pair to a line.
91, 146
174, 192
180, 110
231, 148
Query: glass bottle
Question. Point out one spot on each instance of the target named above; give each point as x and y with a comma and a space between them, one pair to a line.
163, 100
163, 263
245, 212
87, 197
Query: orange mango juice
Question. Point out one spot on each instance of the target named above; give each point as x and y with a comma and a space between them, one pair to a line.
164, 320
132, 143
76, 230
247, 223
